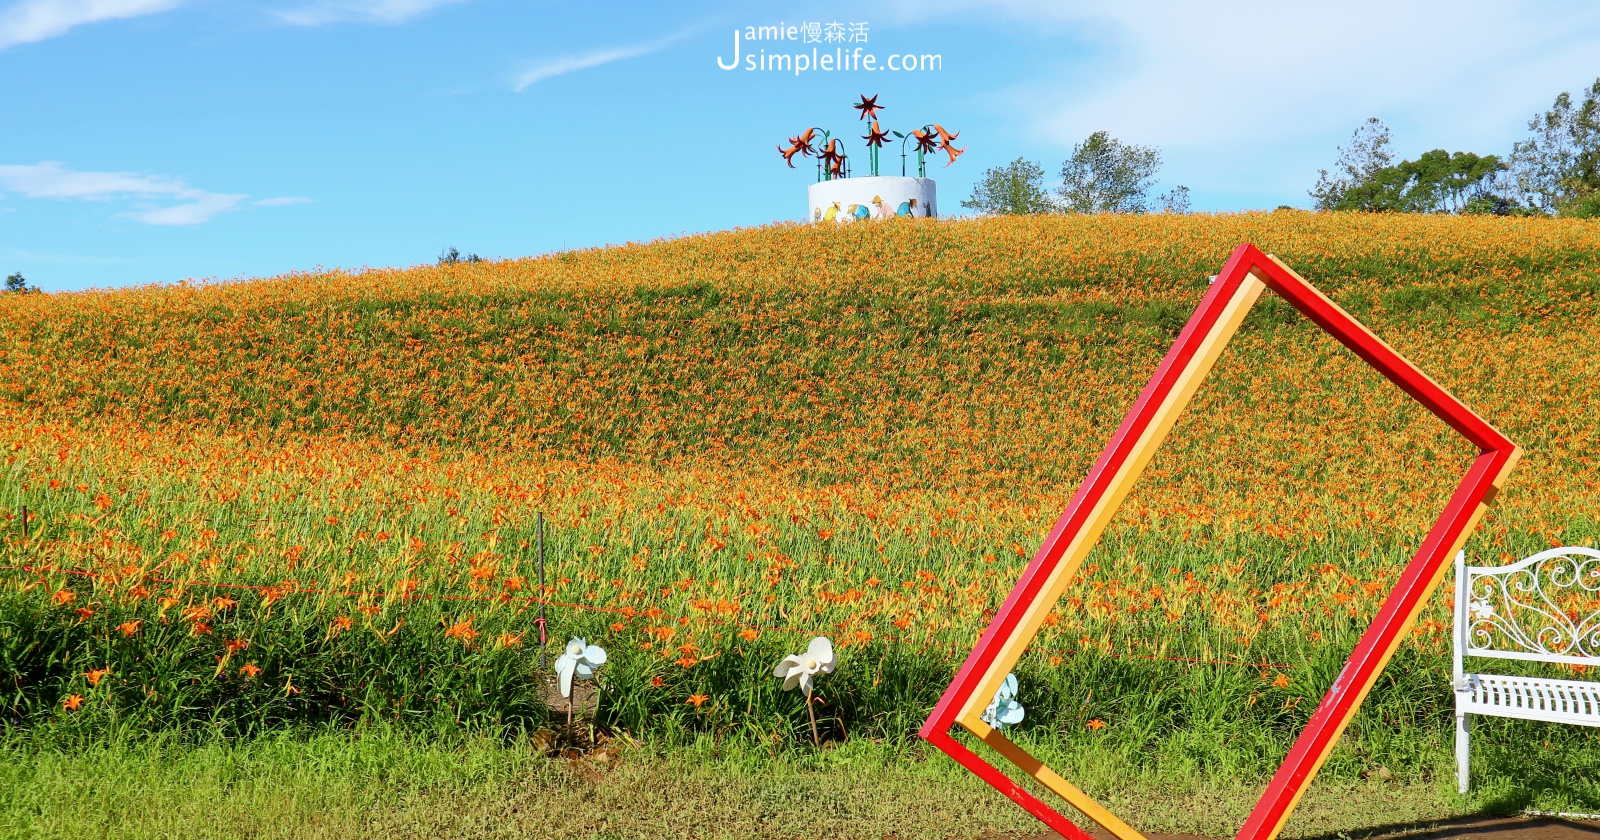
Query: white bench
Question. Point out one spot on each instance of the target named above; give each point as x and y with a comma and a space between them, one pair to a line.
1540, 609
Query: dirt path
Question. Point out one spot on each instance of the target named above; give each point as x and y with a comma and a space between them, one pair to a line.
1505, 828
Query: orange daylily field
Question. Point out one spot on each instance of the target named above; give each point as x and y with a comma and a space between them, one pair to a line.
313, 498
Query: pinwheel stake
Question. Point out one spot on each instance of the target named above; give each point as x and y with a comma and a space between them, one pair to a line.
800, 670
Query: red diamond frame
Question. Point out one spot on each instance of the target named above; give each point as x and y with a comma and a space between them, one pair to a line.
1247, 273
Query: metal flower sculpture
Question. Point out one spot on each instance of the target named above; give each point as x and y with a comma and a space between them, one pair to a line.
800, 145
802, 669
578, 660
832, 162
875, 137
926, 145
789, 153
868, 107
1004, 711
833, 158
947, 144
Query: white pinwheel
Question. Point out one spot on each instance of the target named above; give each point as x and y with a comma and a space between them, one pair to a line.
801, 669
579, 659
1004, 711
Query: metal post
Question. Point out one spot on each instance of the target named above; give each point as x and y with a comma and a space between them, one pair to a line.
542, 664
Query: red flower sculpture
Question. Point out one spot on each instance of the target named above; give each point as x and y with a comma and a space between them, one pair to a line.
875, 136
869, 108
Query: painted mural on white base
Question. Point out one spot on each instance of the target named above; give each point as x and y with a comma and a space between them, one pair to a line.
872, 197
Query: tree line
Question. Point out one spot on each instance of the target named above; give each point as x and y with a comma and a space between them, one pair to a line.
1103, 175
1555, 171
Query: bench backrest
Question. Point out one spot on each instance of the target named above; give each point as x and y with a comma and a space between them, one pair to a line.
1545, 608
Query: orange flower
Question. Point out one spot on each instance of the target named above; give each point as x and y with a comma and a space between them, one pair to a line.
657, 682
222, 602
250, 670
1097, 724
507, 640
72, 702
63, 596
618, 627
129, 628
749, 634
341, 624
462, 630
96, 675
84, 613
1281, 682
696, 700
236, 645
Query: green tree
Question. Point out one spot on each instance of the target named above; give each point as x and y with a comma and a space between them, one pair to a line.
17, 283
1011, 190
1175, 200
1105, 175
1436, 182
452, 256
1359, 163
1557, 169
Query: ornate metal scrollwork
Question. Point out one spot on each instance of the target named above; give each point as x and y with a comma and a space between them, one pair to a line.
1547, 604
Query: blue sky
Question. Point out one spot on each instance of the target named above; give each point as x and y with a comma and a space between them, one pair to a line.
156, 140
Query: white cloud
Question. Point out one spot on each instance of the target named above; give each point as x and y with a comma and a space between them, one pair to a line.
360, 11
1260, 92
27, 21
194, 206
281, 201
200, 210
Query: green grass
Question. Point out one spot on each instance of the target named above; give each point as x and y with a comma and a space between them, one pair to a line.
392, 785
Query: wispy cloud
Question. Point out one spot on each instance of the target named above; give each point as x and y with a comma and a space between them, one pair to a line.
153, 196
551, 67
27, 21
202, 209
281, 201
324, 12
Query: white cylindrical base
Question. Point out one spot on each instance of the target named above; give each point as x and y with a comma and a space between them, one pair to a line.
845, 200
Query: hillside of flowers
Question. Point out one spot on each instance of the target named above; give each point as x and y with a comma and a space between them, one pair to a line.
315, 498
